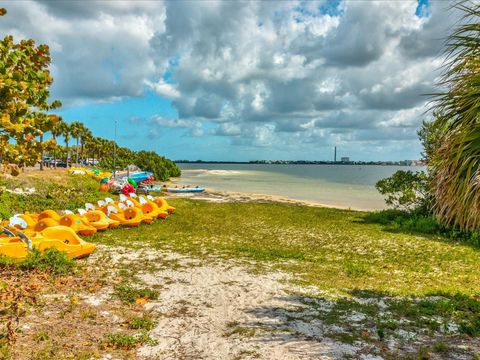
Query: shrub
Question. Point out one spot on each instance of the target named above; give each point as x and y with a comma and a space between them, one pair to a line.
127, 342
51, 260
162, 168
128, 294
405, 190
144, 322
418, 222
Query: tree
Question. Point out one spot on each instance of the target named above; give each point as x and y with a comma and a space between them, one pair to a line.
161, 167
24, 92
76, 129
56, 130
430, 135
47, 122
406, 190
65, 132
85, 136
455, 166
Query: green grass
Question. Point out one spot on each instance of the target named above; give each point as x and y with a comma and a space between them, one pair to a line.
128, 293
333, 249
54, 190
51, 260
440, 347
144, 322
425, 278
126, 342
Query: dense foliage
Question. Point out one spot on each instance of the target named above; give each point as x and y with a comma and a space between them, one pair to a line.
161, 167
430, 135
24, 94
451, 140
405, 190
454, 166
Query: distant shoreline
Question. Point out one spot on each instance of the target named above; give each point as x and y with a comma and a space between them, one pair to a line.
407, 163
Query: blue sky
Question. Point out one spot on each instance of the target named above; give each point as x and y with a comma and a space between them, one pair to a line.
217, 80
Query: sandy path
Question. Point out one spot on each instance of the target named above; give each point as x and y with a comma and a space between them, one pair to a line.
219, 310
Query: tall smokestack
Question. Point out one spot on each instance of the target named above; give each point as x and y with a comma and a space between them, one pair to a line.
335, 155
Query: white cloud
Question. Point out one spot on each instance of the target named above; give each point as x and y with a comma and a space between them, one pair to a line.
164, 89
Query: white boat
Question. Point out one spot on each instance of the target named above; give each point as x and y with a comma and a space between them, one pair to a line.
185, 190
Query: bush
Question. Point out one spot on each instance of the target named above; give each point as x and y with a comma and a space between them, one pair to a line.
129, 294
405, 190
128, 342
162, 168
51, 260
144, 322
421, 223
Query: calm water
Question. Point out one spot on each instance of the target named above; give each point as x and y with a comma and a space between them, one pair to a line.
341, 185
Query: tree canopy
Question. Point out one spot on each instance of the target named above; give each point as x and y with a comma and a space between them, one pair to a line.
24, 100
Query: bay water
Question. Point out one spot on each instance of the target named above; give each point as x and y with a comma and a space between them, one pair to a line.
346, 186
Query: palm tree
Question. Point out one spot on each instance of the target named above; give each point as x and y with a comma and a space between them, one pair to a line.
455, 166
56, 130
76, 129
85, 136
93, 147
65, 132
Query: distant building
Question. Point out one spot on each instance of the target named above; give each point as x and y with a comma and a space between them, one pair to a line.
345, 159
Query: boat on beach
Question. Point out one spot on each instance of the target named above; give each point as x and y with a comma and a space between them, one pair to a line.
185, 189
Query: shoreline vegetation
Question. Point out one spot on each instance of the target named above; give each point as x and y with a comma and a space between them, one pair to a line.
299, 281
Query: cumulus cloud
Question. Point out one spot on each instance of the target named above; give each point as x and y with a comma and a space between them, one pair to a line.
164, 89
302, 65
100, 49
259, 73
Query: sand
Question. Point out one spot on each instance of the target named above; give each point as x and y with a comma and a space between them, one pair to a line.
212, 195
214, 309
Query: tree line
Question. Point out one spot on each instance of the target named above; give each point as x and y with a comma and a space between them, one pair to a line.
82, 147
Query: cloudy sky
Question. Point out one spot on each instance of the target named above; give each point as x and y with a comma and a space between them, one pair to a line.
227, 80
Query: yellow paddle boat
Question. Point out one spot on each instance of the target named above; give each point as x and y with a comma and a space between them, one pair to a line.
162, 203
148, 206
78, 224
97, 217
147, 218
126, 219
63, 239
17, 245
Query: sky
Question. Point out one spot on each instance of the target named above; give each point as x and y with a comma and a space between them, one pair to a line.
231, 80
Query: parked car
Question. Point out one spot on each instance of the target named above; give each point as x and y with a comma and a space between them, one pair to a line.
90, 162
59, 163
